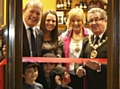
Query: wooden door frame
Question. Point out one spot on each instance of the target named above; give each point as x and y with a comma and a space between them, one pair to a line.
16, 56
113, 45
14, 25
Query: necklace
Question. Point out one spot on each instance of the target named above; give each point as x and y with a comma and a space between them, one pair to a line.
94, 52
77, 48
77, 37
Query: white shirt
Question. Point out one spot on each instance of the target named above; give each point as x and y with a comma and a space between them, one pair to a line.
74, 54
100, 36
28, 34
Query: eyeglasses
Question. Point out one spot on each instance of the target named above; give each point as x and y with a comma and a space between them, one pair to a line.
95, 20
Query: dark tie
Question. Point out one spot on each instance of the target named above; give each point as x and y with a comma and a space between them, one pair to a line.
96, 40
32, 38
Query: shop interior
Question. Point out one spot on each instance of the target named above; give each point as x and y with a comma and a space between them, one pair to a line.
10, 33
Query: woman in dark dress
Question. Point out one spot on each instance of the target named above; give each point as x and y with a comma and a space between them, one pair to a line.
49, 26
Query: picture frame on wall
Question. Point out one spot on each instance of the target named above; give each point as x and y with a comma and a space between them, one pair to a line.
60, 15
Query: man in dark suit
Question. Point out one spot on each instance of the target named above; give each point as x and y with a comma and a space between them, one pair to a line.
32, 15
32, 35
95, 46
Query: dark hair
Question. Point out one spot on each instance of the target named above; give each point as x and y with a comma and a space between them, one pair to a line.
29, 64
47, 55
50, 55
54, 33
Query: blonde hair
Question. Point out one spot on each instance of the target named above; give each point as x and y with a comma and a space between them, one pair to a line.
75, 12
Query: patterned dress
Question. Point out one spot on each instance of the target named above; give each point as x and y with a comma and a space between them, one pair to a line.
50, 47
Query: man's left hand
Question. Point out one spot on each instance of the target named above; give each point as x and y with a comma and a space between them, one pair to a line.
94, 65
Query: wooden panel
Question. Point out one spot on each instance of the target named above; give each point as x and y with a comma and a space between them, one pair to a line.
113, 45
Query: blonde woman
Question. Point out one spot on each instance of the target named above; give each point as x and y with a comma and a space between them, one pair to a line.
72, 42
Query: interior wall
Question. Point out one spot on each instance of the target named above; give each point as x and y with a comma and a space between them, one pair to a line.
0, 12
47, 4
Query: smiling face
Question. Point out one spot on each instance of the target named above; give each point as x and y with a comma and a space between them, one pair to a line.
97, 24
76, 23
32, 14
30, 74
50, 22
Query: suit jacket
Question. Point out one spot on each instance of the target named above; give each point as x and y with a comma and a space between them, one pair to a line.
95, 80
38, 42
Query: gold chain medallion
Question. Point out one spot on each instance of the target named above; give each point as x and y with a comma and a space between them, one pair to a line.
94, 52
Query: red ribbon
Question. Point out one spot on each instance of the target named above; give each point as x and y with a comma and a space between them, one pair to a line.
57, 60
63, 60
44, 59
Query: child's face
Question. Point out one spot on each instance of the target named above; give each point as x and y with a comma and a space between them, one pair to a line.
30, 74
47, 67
